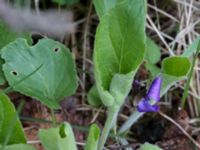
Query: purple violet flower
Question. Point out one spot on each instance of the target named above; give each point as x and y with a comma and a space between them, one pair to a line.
147, 104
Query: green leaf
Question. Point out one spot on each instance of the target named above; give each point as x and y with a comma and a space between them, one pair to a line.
148, 146
119, 48
8, 112
66, 2
93, 97
176, 66
191, 48
53, 81
103, 6
61, 138
174, 69
152, 54
19, 147
93, 138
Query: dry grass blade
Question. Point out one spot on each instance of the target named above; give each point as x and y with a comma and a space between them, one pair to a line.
160, 36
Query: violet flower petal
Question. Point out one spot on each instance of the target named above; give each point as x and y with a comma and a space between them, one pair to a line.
144, 106
154, 90
147, 104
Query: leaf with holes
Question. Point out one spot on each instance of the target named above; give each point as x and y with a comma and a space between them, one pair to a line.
7, 114
61, 138
55, 79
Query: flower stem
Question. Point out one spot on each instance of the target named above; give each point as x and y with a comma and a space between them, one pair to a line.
131, 120
111, 119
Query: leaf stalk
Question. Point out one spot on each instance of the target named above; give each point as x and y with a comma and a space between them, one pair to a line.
110, 121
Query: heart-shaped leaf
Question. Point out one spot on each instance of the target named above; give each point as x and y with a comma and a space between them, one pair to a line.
7, 114
55, 79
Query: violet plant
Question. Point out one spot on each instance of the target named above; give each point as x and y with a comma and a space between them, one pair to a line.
121, 46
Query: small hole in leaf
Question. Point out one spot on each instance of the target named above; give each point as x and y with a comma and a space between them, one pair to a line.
35, 37
14, 73
62, 132
56, 50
